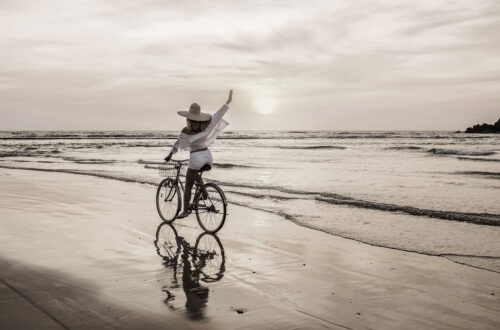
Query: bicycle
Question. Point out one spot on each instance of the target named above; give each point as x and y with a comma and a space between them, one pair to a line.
189, 269
207, 255
209, 204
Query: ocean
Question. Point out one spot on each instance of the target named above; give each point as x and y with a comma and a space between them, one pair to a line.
435, 193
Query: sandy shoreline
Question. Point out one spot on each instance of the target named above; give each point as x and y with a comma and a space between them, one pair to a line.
78, 252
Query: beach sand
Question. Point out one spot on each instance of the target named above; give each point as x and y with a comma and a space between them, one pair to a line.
77, 252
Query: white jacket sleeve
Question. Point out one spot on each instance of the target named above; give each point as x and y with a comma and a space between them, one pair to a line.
181, 143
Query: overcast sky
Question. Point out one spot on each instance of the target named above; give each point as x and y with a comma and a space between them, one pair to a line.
341, 65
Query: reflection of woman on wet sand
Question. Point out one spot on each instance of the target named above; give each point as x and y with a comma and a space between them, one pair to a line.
195, 260
196, 294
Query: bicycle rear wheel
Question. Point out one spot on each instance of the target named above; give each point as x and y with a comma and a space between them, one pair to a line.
210, 209
168, 200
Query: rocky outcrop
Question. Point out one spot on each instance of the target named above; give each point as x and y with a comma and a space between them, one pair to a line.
485, 128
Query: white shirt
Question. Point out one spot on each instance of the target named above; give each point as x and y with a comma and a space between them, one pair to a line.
204, 138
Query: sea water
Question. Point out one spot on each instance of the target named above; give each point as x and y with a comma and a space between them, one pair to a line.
436, 193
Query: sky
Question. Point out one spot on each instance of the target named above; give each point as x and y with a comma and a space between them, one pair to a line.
293, 65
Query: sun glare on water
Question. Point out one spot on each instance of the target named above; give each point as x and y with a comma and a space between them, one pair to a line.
265, 105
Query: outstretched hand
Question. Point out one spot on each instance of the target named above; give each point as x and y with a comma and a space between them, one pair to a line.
167, 159
230, 98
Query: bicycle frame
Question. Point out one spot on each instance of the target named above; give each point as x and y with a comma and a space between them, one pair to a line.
180, 183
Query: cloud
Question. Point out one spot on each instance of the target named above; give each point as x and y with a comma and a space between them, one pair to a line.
99, 58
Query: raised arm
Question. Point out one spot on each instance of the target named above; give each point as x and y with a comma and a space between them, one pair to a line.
216, 117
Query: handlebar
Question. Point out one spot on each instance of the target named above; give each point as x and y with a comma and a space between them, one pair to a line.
178, 161
140, 161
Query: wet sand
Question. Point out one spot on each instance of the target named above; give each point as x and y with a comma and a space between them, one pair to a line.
78, 252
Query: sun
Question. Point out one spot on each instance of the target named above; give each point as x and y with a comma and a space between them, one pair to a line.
265, 105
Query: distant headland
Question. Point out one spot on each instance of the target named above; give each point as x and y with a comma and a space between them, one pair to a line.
484, 128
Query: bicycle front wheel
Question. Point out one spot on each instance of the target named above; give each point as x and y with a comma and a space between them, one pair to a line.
211, 207
166, 242
168, 200
210, 257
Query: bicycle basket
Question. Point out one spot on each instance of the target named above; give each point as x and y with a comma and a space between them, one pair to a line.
168, 170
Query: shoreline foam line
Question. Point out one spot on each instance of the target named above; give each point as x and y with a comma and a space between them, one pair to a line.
282, 214
442, 255
481, 219
474, 218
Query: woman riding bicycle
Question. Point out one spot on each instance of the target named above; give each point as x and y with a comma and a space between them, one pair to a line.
201, 131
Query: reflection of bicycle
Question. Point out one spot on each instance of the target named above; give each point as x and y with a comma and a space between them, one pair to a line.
209, 202
207, 254
204, 262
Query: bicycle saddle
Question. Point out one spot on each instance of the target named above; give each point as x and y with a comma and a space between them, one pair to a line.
205, 168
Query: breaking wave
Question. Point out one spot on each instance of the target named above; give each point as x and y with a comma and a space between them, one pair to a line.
480, 159
141, 135
438, 151
494, 175
404, 148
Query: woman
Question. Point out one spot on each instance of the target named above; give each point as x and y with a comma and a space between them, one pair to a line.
201, 130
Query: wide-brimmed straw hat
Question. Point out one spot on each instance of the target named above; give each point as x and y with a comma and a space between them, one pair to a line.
195, 113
